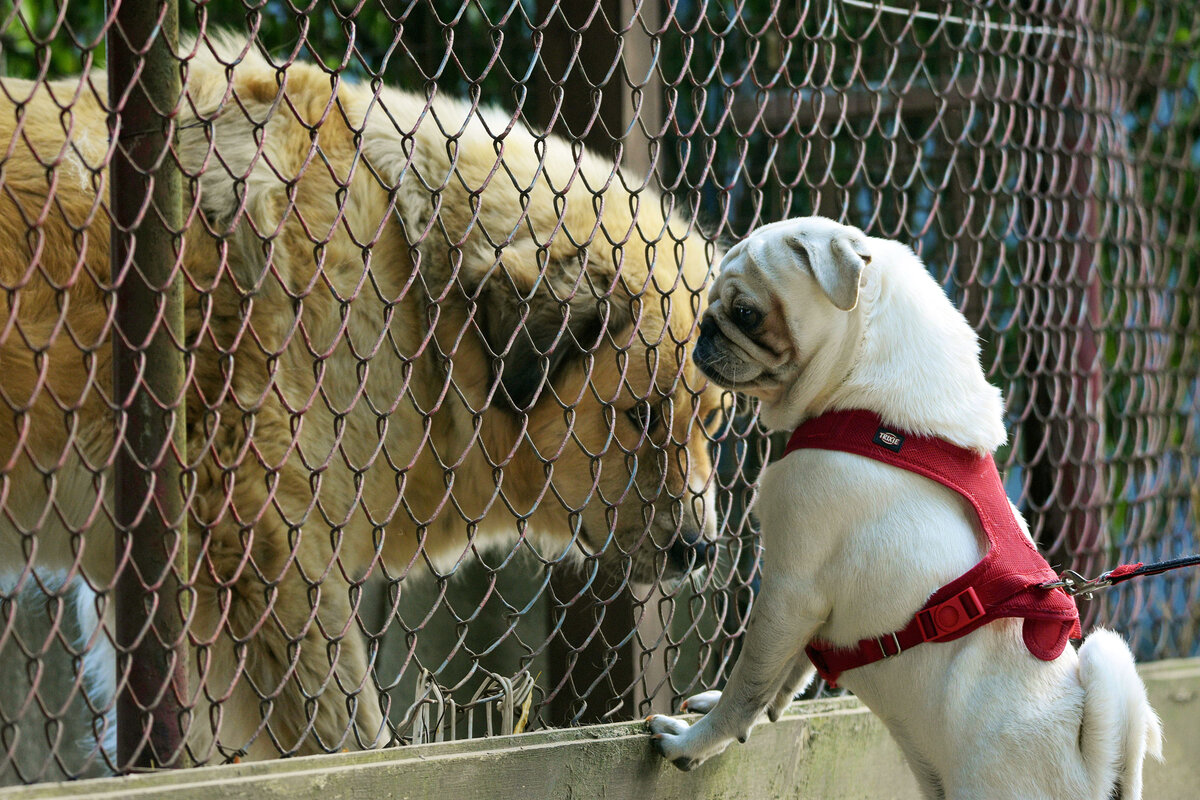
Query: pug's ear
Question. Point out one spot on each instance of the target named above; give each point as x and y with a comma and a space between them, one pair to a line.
837, 268
534, 333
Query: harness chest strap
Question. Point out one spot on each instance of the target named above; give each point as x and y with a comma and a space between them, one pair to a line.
1006, 583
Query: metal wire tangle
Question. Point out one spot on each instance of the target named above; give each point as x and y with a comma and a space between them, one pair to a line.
346, 397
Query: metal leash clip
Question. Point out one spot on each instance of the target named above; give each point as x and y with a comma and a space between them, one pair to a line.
1075, 584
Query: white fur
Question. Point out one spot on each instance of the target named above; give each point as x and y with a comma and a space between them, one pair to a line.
854, 547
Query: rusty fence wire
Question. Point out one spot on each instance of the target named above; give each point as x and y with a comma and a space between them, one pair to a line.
345, 391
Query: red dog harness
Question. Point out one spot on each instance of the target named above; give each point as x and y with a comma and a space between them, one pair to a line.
1006, 583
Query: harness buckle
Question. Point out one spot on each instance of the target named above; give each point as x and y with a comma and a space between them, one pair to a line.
882, 642
950, 616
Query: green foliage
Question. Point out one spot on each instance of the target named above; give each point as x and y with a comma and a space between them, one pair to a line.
485, 44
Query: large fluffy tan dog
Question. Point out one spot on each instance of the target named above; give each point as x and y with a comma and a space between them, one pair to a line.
415, 330
812, 316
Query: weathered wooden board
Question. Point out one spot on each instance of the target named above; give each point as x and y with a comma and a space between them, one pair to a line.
822, 749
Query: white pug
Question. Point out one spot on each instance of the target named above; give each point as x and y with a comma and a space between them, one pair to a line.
812, 316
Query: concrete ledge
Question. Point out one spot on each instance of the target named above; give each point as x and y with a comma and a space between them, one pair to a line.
823, 749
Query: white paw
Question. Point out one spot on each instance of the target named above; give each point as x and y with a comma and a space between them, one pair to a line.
701, 703
669, 738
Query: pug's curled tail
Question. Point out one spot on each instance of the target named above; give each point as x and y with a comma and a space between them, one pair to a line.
1119, 727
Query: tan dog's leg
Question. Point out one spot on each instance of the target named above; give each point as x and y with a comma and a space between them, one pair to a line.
280, 678
765, 669
332, 691
280, 662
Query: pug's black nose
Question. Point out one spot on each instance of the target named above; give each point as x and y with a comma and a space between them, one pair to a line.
708, 326
688, 550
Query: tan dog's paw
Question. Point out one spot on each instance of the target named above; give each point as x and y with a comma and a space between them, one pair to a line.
701, 703
669, 738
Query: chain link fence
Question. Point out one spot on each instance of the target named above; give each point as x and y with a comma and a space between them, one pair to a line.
346, 397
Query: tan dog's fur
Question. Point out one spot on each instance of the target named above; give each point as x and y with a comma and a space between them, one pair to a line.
346, 407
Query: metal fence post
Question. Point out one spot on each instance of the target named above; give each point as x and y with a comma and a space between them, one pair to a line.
148, 382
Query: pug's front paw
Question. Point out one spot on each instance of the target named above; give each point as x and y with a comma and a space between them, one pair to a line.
669, 736
701, 703
683, 745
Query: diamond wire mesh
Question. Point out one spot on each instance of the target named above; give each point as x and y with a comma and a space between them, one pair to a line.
397, 529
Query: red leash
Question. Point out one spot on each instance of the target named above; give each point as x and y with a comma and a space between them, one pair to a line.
1075, 584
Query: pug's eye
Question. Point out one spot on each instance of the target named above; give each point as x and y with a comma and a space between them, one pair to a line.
642, 416
747, 318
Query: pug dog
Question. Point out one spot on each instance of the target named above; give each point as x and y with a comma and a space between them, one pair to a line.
813, 317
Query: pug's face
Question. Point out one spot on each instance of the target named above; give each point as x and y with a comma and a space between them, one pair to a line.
781, 321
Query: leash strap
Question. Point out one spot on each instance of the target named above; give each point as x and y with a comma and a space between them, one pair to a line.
1075, 584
